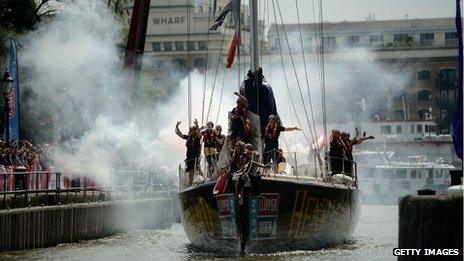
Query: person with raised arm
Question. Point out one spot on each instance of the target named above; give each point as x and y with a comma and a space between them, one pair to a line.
193, 144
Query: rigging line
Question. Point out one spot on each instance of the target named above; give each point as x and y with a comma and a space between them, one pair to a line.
206, 60
306, 73
324, 102
285, 75
294, 70
220, 95
318, 46
269, 50
189, 78
216, 73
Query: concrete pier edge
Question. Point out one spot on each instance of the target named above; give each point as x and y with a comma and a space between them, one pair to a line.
52, 225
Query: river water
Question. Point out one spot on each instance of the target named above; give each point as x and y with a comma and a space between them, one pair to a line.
374, 239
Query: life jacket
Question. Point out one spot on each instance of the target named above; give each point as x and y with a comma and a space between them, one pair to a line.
209, 138
271, 131
242, 113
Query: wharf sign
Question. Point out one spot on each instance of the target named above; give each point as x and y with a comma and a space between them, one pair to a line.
172, 23
169, 20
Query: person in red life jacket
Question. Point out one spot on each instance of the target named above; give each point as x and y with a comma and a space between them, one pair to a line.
348, 145
239, 158
210, 147
240, 123
193, 144
337, 152
220, 138
271, 139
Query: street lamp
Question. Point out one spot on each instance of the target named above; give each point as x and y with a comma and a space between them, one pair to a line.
7, 86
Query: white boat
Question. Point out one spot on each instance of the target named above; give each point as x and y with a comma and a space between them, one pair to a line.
386, 183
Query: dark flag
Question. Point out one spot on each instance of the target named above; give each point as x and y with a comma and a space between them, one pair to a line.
13, 98
456, 126
234, 7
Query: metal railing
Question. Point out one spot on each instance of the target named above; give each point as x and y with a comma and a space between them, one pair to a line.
280, 162
41, 188
343, 166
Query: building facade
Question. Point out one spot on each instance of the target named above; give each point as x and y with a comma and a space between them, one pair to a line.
179, 40
422, 52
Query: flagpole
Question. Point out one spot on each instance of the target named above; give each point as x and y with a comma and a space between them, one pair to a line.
254, 35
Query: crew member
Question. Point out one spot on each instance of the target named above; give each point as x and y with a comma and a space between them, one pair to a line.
220, 138
337, 152
271, 139
210, 147
240, 124
193, 144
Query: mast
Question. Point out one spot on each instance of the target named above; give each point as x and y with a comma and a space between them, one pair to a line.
254, 35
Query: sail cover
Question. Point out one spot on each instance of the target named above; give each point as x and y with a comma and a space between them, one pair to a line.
234, 7
261, 100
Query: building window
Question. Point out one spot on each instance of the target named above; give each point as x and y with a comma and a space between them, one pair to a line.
156, 47
424, 75
419, 128
158, 64
412, 130
451, 39
446, 79
167, 46
199, 63
426, 39
423, 114
202, 45
352, 40
386, 129
424, 95
179, 46
329, 41
414, 174
399, 96
200, 9
307, 43
179, 63
400, 38
399, 129
401, 173
376, 39
398, 114
190, 45
443, 113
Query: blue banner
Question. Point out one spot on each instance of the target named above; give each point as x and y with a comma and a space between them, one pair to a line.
13, 99
456, 126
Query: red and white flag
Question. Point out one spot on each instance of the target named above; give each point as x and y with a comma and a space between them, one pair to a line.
234, 7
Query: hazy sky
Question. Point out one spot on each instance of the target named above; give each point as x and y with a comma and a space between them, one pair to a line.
358, 10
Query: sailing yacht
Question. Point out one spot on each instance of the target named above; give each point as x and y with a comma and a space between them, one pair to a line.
267, 209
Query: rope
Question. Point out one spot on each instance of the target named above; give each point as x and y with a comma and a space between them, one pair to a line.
206, 59
216, 74
306, 74
189, 78
285, 75
324, 108
295, 72
220, 95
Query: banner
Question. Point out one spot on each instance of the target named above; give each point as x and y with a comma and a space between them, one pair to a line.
456, 125
13, 99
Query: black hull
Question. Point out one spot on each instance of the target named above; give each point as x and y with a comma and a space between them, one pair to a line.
288, 215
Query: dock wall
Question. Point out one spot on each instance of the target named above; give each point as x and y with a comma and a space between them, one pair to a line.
430, 222
51, 225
